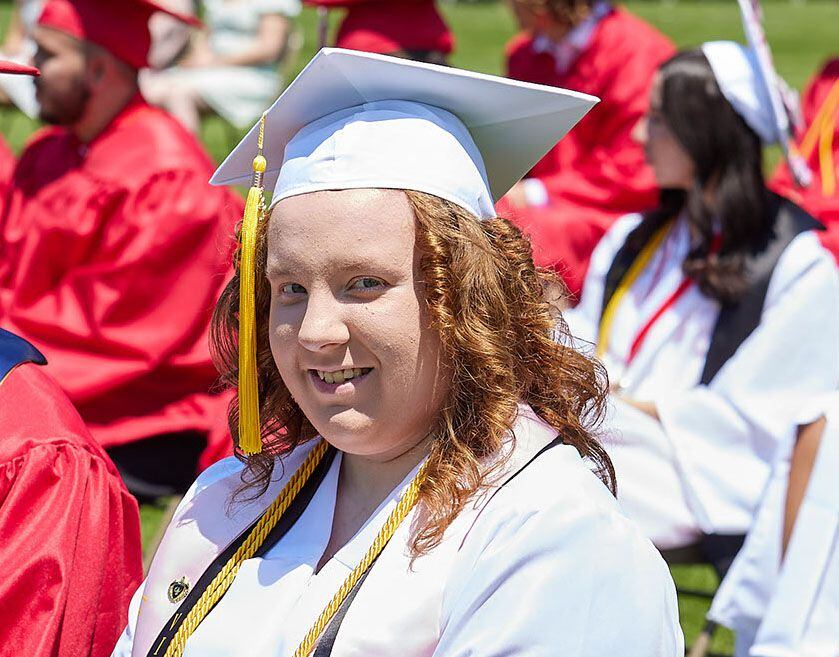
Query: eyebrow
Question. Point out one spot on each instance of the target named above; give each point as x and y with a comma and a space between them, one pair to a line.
281, 270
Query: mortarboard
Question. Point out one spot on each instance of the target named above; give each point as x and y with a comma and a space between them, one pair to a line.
361, 120
748, 80
119, 26
13, 68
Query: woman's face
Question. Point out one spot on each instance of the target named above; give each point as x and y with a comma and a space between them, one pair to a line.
671, 163
349, 325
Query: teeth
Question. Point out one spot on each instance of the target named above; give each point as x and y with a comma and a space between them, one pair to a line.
341, 376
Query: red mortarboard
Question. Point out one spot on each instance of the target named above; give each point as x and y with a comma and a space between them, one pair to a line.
12, 68
119, 26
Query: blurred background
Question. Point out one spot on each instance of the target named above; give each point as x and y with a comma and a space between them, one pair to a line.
802, 33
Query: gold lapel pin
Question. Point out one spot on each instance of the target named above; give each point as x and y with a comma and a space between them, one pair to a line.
178, 590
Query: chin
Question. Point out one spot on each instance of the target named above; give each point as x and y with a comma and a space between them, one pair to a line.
348, 429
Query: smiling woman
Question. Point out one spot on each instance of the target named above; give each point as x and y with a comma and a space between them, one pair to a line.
426, 445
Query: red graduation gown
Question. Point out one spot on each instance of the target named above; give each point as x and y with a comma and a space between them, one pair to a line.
385, 26
7, 167
112, 256
820, 96
597, 172
69, 530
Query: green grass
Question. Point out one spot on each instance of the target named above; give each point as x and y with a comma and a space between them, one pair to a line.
802, 35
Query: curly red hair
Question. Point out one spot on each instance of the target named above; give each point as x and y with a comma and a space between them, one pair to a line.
504, 341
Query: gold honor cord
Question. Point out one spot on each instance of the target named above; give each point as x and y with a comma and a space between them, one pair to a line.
218, 587
403, 508
626, 283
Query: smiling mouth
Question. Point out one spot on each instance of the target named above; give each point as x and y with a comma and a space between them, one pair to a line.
340, 376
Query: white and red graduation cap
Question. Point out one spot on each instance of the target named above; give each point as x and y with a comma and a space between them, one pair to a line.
13, 68
748, 80
355, 120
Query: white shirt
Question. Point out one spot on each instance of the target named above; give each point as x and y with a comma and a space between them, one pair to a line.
538, 564
724, 434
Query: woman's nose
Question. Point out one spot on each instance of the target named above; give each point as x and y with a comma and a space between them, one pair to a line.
323, 323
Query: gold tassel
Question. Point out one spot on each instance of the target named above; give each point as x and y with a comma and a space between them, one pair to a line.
250, 432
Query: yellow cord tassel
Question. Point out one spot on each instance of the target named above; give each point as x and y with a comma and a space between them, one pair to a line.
250, 433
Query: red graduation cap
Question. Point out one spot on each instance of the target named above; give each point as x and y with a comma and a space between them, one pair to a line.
13, 68
119, 26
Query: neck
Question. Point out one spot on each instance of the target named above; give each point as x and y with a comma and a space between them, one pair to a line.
104, 110
378, 476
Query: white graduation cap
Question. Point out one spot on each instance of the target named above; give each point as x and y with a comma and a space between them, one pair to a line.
354, 119
748, 80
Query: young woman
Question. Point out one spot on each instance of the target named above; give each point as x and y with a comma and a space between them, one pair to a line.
425, 483
715, 314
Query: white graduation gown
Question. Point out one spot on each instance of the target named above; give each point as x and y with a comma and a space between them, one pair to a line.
702, 467
545, 565
790, 608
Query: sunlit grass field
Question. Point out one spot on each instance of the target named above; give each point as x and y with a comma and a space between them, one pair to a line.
802, 34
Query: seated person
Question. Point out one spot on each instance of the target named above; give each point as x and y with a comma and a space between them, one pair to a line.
413, 29
715, 313
69, 530
415, 473
819, 145
597, 173
232, 67
780, 595
104, 206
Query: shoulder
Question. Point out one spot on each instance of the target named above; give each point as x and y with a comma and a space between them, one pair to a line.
805, 257
632, 34
615, 238
45, 142
145, 144
36, 413
554, 492
520, 44
557, 536
215, 488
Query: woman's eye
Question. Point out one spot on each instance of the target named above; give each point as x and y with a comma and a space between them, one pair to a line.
293, 288
366, 283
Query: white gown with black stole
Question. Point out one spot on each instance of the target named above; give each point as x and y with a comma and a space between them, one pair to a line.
540, 563
701, 467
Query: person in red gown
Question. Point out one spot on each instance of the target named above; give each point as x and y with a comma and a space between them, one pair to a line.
597, 173
114, 248
69, 529
818, 143
406, 28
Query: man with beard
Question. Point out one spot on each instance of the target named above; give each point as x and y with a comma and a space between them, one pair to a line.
113, 247
69, 530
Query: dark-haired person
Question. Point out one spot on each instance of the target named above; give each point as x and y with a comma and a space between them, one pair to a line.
414, 29
597, 173
715, 313
112, 245
415, 473
818, 143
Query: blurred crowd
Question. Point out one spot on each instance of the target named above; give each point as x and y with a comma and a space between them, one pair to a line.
708, 290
